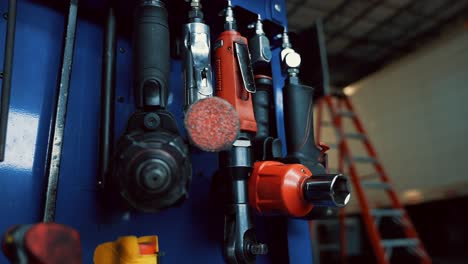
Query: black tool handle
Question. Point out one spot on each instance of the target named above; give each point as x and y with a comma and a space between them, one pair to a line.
261, 104
151, 58
299, 124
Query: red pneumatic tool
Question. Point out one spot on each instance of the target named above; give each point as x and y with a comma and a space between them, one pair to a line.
235, 84
234, 76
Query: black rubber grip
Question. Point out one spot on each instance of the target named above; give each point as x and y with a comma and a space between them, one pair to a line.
151, 59
299, 124
261, 104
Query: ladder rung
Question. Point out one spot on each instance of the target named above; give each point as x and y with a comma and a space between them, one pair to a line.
345, 113
375, 184
364, 160
329, 247
358, 136
401, 242
386, 212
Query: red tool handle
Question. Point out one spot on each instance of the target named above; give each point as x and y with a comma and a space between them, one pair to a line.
229, 83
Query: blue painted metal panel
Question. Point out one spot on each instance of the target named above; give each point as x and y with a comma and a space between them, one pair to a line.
192, 231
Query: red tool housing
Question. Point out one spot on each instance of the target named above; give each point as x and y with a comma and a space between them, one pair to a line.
277, 188
229, 84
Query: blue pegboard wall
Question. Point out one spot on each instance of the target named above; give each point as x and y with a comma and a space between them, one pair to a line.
191, 233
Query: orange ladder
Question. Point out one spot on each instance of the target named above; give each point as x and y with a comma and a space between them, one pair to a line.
340, 107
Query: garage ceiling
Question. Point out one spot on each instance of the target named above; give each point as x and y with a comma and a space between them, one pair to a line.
364, 35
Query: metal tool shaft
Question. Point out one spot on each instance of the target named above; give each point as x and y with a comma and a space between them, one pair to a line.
59, 116
7, 75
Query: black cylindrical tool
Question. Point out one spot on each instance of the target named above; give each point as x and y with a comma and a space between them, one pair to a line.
266, 145
106, 136
151, 59
151, 169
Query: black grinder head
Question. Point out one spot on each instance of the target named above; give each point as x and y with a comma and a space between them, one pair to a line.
152, 171
151, 167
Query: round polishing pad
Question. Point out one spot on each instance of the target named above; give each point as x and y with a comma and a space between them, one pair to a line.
212, 124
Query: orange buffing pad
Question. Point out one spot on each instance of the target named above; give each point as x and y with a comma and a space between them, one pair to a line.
212, 124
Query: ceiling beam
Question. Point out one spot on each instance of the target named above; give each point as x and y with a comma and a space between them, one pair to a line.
364, 12
365, 36
393, 48
336, 10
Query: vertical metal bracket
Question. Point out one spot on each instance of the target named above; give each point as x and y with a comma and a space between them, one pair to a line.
58, 119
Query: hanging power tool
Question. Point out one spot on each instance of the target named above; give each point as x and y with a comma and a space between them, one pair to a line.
151, 168
235, 84
276, 187
205, 115
196, 56
298, 113
267, 146
316, 185
43, 243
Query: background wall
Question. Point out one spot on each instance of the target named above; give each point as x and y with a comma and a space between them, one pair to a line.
416, 114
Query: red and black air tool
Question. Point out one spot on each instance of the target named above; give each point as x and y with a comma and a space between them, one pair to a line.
325, 190
235, 84
291, 186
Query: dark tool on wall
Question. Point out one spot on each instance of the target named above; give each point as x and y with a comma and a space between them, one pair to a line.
151, 169
106, 136
235, 84
275, 187
54, 154
298, 119
267, 147
7, 75
44, 243
298, 113
205, 115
